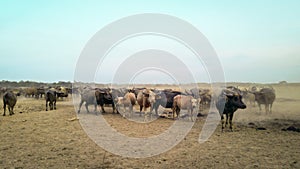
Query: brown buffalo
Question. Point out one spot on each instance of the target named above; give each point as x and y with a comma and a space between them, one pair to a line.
146, 99
188, 103
127, 101
31, 92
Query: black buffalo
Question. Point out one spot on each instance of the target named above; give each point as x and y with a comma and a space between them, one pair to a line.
9, 99
40, 92
228, 102
50, 97
104, 96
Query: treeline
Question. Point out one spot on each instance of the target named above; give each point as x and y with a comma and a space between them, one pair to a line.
9, 84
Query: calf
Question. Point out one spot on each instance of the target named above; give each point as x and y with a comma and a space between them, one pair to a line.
9, 99
50, 97
228, 102
127, 101
165, 99
184, 102
146, 98
205, 96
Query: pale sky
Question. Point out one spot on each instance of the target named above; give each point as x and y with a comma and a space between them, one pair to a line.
256, 41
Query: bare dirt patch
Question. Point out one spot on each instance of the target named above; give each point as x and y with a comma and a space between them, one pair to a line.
54, 139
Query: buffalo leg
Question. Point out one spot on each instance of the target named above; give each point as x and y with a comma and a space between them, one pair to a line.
156, 110
4, 107
191, 110
230, 121
9, 110
80, 104
267, 108
174, 111
154, 107
151, 108
259, 107
54, 104
113, 107
222, 119
46, 106
102, 108
125, 111
87, 107
130, 110
95, 109
51, 105
145, 114
12, 110
117, 107
177, 112
226, 121
141, 108
150, 113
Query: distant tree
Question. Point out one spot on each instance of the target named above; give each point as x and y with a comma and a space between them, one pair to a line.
283, 82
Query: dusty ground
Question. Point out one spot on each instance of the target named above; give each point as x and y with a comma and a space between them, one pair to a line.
49, 139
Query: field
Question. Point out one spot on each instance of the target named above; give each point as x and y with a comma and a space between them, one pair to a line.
35, 138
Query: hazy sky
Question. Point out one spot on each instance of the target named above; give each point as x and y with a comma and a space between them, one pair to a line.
256, 41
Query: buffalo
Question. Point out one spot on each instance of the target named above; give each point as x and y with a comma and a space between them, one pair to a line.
265, 96
50, 97
61, 92
88, 96
227, 103
40, 92
31, 92
137, 90
165, 98
104, 96
184, 102
145, 99
9, 99
127, 101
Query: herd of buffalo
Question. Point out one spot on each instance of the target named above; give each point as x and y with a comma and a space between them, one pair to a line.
227, 100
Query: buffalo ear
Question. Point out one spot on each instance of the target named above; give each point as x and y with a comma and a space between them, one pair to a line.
100, 91
228, 94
